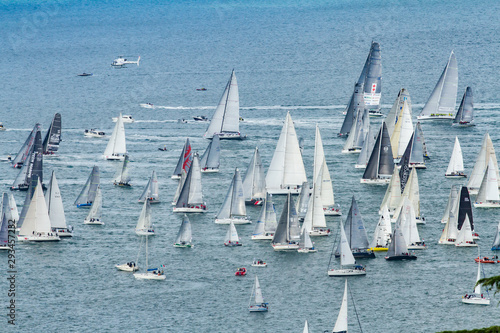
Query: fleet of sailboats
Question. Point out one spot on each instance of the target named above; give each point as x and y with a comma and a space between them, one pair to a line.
117, 147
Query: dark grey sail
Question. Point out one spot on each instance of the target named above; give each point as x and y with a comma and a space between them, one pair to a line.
210, 160
465, 208
381, 163
282, 234
404, 163
53, 136
26, 148
355, 103
417, 148
32, 165
356, 233
363, 129
185, 160
89, 191
466, 109
372, 85
424, 146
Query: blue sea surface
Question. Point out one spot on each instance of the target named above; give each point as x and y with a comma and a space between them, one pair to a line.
297, 56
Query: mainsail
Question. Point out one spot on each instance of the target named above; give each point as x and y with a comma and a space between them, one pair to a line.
26, 148
210, 160
53, 136
185, 160
88, 193
381, 162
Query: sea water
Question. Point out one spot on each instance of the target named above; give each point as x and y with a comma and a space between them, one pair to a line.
295, 56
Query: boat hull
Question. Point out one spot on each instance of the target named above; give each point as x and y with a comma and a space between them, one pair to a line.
113, 158
230, 136
257, 308
380, 181
63, 232
284, 191
456, 176
149, 276
476, 300
319, 232
234, 220
95, 222
379, 249
418, 165
254, 202
346, 272
330, 211
307, 250
150, 201
175, 177
487, 204
285, 247
408, 257
417, 247
189, 210
184, 245
33, 238
259, 265
447, 242
263, 237
359, 255
351, 151
127, 268
84, 205
144, 232
209, 170
436, 117
359, 166
466, 244
233, 244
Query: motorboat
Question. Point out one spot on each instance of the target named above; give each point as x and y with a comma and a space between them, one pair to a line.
93, 133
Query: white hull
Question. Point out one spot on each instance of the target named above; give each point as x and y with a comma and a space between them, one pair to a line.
147, 105
307, 250
444, 117
351, 151
92, 135
96, 222
285, 247
320, 232
383, 181
4, 247
346, 272
189, 210
417, 247
330, 211
234, 220
488, 204
476, 300
42, 238
144, 232
263, 237
150, 201
473, 191
230, 136
447, 242
466, 245
184, 245
209, 170
259, 265
375, 114
114, 158
63, 232
418, 166
175, 177
455, 176
149, 276
280, 191
127, 268
125, 119
360, 166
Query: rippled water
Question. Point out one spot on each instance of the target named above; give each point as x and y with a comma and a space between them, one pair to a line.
287, 56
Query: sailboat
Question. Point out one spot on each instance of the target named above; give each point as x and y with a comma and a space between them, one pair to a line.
6, 223
131, 266
356, 103
476, 177
464, 237
392, 197
53, 136
496, 240
460, 209
232, 238
412, 193
398, 249
88, 193
287, 233
442, 101
402, 133
55, 208
210, 160
347, 262
381, 163
13, 208
190, 196
314, 221
266, 223
396, 109
184, 162
36, 226
416, 150
226, 119
26, 148
254, 181
144, 225
122, 176
33, 165
408, 224
286, 172
184, 237
358, 132
456, 166
424, 145
94, 215
117, 147
488, 195
356, 233
258, 305
372, 85
151, 273
465, 113
341, 325
383, 232
306, 328
366, 151
305, 243
233, 208
477, 297
150, 192
303, 201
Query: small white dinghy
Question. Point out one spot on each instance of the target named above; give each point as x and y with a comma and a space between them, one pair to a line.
456, 166
151, 273
94, 216
258, 305
476, 297
144, 225
348, 265
93, 133
259, 263
125, 118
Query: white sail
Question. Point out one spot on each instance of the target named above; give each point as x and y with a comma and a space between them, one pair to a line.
396, 109
227, 114
232, 234
122, 175
383, 231
452, 200
341, 323
306, 328
13, 208
144, 222
476, 177
450, 231
37, 218
477, 288
54, 204
151, 191
184, 236
195, 191
488, 191
116, 146
465, 234
95, 209
456, 165
254, 181
259, 299
234, 203
409, 223
442, 101
392, 197
286, 171
403, 131
346, 256
319, 166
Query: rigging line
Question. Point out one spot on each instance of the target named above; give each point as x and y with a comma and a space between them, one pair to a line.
355, 311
